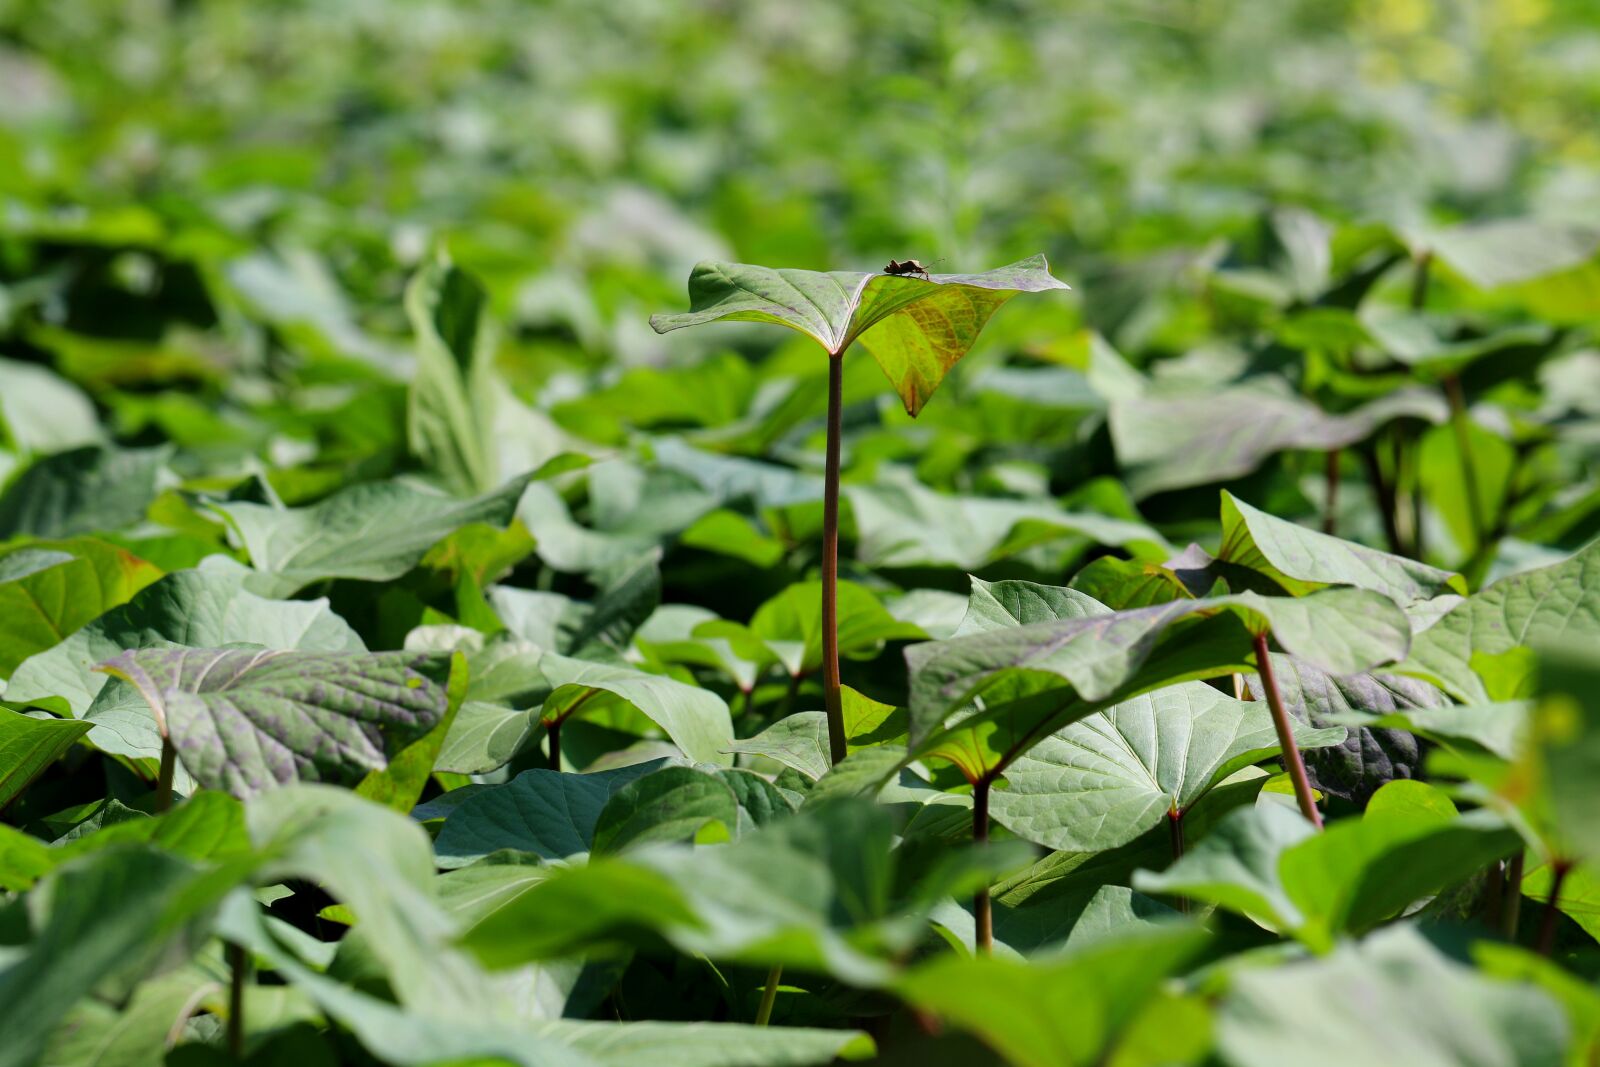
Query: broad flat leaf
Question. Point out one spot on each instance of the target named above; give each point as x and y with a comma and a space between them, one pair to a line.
1201, 438
1371, 755
791, 623
484, 737
1561, 770
1496, 728
208, 826
400, 782
902, 523
818, 891
915, 328
1009, 604
108, 915
1539, 607
29, 745
423, 1034
450, 401
1106, 779
695, 719
1109, 657
1494, 463
1063, 921
1236, 866
736, 479
42, 412
96, 1034
1410, 844
545, 812
379, 865
600, 629
82, 491
1393, 998
800, 740
1300, 559
670, 805
1510, 251
50, 589
372, 531
244, 720
1059, 1011
1125, 583
204, 608
1430, 346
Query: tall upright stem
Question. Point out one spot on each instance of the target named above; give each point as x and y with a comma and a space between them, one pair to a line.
239, 965
169, 765
982, 910
1511, 913
830, 562
769, 995
1469, 470
1330, 514
1280, 722
1388, 504
1421, 265
1175, 832
552, 732
1546, 939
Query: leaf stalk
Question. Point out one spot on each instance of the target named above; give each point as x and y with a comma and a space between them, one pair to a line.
769, 995
982, 907
831, 698
1292, 759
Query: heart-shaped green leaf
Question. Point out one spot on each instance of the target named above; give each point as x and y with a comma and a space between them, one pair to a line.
915, 327
1104, 780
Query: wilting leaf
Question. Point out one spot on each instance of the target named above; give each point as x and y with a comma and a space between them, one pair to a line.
244, 720
915, 328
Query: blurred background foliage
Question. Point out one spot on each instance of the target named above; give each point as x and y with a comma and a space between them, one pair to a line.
209, 210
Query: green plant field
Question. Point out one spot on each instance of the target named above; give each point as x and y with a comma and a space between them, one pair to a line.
702, 534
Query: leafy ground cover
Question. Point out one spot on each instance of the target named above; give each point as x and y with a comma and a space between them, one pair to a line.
410, 656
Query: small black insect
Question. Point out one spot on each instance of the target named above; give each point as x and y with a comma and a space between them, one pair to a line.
907, 268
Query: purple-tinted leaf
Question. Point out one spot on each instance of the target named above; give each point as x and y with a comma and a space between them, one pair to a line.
244, 720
